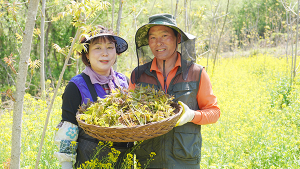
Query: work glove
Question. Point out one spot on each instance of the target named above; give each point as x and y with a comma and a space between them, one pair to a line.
67, 165
187, 114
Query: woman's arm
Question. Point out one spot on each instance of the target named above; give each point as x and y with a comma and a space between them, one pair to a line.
67, 133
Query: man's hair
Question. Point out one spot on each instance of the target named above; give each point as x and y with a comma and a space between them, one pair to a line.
175, 32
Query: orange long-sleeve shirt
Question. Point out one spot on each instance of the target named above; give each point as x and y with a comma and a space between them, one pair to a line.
209, 111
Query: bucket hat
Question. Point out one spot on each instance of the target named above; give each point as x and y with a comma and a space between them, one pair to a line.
141, 36
121, 44
186, 47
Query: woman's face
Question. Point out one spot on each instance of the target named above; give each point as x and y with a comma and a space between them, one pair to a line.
102, 55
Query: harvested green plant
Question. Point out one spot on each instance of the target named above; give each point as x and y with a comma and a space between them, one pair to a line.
129, 108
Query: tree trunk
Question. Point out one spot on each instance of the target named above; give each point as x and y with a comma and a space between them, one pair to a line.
219, 40
118, 26
119, 17
112, 14
8, 75
77, 66
210, 43
176, 7
152, 7
172, 7
20, 87
78, 32
47, 51
190, 19
256, 40
296, 52
292, 40
287, 37
186, 16
42, 51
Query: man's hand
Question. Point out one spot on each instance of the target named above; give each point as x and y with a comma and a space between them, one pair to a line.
187, 114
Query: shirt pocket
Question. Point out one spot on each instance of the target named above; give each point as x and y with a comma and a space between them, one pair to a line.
187, 143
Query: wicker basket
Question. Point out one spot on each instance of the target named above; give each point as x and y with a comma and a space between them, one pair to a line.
135, 133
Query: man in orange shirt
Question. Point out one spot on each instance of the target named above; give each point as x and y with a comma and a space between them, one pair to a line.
177, 74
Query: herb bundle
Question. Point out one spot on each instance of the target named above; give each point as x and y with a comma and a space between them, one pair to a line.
129, 108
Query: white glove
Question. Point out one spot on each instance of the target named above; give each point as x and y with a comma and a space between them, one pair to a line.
67, 165
187, 114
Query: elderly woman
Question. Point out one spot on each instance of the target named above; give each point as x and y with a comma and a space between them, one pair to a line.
96, 80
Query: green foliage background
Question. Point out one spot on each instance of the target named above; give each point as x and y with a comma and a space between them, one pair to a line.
250, 23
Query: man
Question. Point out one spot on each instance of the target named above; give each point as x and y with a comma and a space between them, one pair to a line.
177, 74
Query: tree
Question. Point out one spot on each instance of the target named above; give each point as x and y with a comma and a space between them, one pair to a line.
220, 37
20, 86
186, 17
294, 62
112, 14
176, 8
289, 22
118, 24
42, 47
81, 12
119, 17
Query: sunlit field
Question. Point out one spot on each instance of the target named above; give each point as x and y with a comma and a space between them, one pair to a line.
34, 116
259, 125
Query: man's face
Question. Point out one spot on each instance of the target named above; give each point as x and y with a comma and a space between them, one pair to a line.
163, 42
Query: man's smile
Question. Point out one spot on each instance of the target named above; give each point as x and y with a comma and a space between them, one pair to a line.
160, 50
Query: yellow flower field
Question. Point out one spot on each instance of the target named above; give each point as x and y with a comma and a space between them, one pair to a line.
259, 125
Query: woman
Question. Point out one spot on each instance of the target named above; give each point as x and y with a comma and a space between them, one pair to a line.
96, 80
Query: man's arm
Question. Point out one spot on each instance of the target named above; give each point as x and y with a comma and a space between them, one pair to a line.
209, 111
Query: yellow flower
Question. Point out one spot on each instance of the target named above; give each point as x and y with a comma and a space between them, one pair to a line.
110, 143
73, 143
129, 156
114, 151
100, 143
152, 154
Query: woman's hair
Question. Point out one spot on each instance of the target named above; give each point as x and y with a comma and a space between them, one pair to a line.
99, 34
97, 39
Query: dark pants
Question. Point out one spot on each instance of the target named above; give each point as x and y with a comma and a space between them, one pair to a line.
87, 150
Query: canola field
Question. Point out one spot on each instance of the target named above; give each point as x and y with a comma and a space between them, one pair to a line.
259, 125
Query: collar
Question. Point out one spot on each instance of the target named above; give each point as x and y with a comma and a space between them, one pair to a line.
100, 79
155, 68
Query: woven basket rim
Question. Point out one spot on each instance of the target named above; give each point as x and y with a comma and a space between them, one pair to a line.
128, 138
118, 127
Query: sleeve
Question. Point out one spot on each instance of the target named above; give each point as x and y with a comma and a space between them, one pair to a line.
66, 140
209, 111
71, 100
67, 130
131, 86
